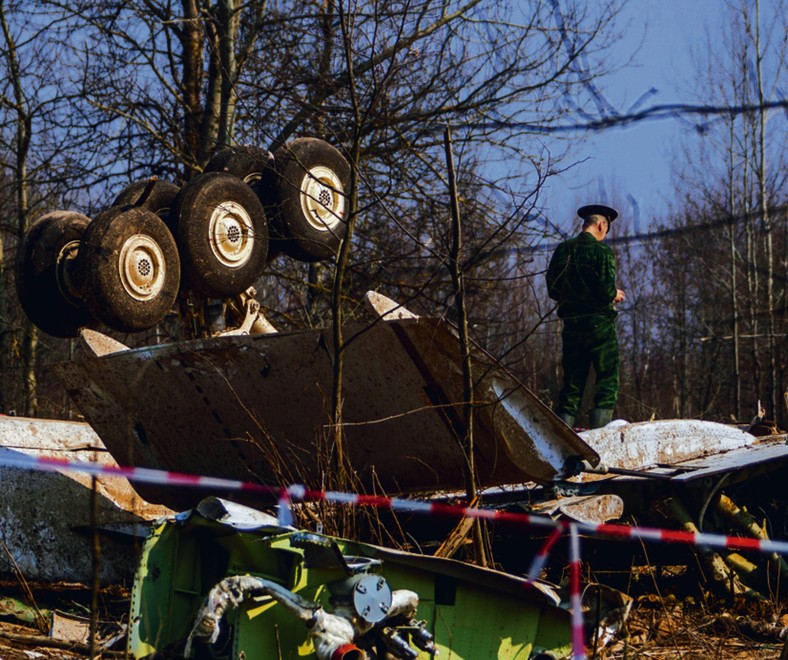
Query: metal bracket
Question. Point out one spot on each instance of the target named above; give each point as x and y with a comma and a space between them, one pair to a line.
254, 322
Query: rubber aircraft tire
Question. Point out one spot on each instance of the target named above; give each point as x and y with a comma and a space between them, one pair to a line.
46, 285
256, 167
250, 164
310, 198
222, 234
159, 199
130, 268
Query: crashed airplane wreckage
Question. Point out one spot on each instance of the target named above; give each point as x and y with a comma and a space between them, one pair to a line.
248, 404
250, 407
47, 519
226, 581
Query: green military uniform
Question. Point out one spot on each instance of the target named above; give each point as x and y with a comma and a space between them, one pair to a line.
582, 278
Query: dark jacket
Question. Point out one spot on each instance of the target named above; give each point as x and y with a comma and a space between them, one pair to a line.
582, 278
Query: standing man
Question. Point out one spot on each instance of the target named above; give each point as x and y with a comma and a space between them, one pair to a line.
582, 278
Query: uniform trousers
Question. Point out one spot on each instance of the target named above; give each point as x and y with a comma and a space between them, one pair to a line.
589, 341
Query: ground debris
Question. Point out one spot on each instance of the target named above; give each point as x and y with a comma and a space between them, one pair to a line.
20, 639
660, 625
665, 627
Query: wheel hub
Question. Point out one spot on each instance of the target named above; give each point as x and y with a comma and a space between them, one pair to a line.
231, 234
322, 198
142, 267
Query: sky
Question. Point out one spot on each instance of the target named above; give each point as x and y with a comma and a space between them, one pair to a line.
634, 164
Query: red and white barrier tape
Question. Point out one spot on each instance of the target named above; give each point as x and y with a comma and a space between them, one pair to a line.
142, 475
300, 493
575, 595
540, 558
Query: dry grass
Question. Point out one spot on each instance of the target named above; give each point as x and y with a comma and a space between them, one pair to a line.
669, 628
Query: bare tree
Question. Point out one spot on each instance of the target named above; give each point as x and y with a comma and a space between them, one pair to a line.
37, 156
16, 104
162, 85
736, 184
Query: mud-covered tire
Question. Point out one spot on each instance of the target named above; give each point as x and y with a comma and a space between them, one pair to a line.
130, 269
159, 198
45, 276
310, 198
222, 234
250, 164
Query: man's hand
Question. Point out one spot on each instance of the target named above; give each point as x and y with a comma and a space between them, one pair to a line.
619, 296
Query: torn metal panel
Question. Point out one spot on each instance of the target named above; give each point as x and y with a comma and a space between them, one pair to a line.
634, 472
467, 611
651, 462
742, 464
684, 451
663, 442
382, 307
593, 509
251, 408
45, 517
69, 627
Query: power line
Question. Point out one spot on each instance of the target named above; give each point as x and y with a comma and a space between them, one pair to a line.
642, 237
665, 111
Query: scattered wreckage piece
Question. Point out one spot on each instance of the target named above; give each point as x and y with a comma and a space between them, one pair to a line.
685, 473
641, 463
45, 517
364, 606
250, 319
691, 459
681, 450
252, 408
713, 465
744, 521
227, 581
754, 575
584, 508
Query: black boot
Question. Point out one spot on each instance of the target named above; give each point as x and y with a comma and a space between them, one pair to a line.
600, 417
568, 419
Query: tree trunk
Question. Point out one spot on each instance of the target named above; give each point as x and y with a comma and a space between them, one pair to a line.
195, 145
763, 210
733, 281
22, 130
337, 450
228, 28
4, 331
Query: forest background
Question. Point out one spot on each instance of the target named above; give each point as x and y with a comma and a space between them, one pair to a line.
97, 94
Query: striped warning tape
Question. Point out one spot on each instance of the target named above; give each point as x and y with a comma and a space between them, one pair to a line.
540, 558
300, 493
142, 475
575, 595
